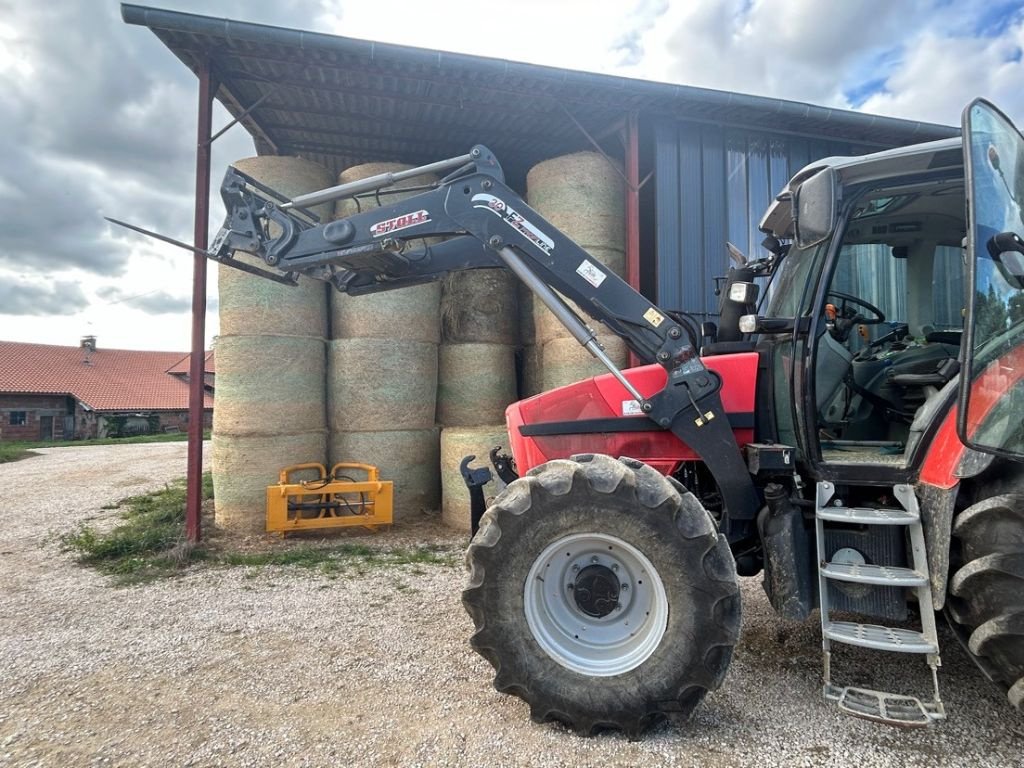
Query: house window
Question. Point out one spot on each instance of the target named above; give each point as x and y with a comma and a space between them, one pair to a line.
18, 418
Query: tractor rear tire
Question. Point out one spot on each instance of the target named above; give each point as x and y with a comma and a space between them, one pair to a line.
988, 588
603, 595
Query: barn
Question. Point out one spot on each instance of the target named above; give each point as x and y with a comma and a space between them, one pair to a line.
701, 165
697, 168
51, 392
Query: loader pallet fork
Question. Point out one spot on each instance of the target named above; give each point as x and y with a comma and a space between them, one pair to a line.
879, 706
330, 500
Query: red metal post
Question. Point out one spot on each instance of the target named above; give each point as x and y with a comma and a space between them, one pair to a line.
197, 361
633, 207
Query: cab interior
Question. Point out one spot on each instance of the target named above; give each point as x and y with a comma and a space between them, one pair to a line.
888, 343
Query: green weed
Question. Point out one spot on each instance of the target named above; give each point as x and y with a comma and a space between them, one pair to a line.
149, 543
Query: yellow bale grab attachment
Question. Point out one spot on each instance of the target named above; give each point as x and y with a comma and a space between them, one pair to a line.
331, 500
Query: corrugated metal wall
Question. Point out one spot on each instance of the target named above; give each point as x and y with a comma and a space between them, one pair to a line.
713, 185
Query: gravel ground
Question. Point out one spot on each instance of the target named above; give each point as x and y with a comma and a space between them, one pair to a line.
286, 667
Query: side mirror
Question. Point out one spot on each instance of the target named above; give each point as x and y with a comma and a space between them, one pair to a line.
1007, 251
767, 325
814, 208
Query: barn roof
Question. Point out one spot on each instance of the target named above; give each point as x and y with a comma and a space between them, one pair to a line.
182, 366
102, 379
342, 101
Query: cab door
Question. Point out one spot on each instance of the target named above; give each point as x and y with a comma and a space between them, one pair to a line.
991, 413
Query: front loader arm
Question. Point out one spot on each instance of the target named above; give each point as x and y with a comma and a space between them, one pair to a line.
486, 224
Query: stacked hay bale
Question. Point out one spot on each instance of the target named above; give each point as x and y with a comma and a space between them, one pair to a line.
530, 378
270, 396
477, 376
583, 195
382, 373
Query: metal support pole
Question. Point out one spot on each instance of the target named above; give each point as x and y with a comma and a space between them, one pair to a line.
633, 207
197, 360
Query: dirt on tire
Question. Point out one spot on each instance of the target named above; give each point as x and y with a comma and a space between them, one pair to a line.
634, 504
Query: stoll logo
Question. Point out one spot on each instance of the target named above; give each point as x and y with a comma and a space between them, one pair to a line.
404, 221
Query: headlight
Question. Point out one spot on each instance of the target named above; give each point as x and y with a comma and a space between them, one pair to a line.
743, 293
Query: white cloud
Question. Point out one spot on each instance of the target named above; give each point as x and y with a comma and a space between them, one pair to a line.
919, 59
98, 118
940, 74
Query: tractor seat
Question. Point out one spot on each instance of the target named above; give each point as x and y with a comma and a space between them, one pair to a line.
943, 372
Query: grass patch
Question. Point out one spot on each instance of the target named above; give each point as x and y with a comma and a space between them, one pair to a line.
13, 452
335, 559
170, 437
16, 450
150, 543
150, 540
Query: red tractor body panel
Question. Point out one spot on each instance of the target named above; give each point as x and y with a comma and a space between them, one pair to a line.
593, 402
987, 391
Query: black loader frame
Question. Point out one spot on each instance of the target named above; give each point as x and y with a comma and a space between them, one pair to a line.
486, 225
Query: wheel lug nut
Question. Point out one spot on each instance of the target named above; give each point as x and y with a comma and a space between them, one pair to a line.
624, 587
593, 559
575, 567
615, 567
569, 587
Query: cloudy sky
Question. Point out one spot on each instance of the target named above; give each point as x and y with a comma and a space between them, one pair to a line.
98, 118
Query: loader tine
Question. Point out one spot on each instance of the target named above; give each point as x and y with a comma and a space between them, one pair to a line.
289, 278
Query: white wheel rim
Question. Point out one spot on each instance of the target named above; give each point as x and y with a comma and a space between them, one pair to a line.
600, 646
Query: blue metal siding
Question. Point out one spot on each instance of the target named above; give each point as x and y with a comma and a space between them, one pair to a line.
711, 188
666, 191
713, 185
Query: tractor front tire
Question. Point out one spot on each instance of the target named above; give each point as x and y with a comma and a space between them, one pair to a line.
988, 588
603, 595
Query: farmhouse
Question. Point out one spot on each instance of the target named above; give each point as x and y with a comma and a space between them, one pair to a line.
50, 392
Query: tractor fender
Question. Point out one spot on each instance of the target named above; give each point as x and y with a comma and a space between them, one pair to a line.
937, 506
947, 462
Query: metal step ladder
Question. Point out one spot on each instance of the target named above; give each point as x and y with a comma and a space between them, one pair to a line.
891, 708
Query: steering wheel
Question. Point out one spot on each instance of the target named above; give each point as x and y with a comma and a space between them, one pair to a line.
857, 317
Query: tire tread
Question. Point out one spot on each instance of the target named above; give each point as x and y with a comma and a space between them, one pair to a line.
628, 482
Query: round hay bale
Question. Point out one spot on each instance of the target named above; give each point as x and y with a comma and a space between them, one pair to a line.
527, 328
457, 443
243, 467
564, 361
583, 195
373, 386
253, 305
475, 383
530, 371
411, 313
269, 385
408, 458
546, 325
406, 313
480, 306
291, 176
388, 195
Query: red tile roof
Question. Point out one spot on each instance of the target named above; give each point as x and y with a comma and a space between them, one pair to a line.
104, 379
209, 366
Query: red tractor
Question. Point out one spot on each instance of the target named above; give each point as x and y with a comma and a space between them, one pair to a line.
852, 428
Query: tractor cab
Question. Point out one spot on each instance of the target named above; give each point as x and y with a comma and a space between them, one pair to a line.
874, 289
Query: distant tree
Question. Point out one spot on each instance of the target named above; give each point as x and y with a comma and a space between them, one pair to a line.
990, 316
1016, 305
116, 426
